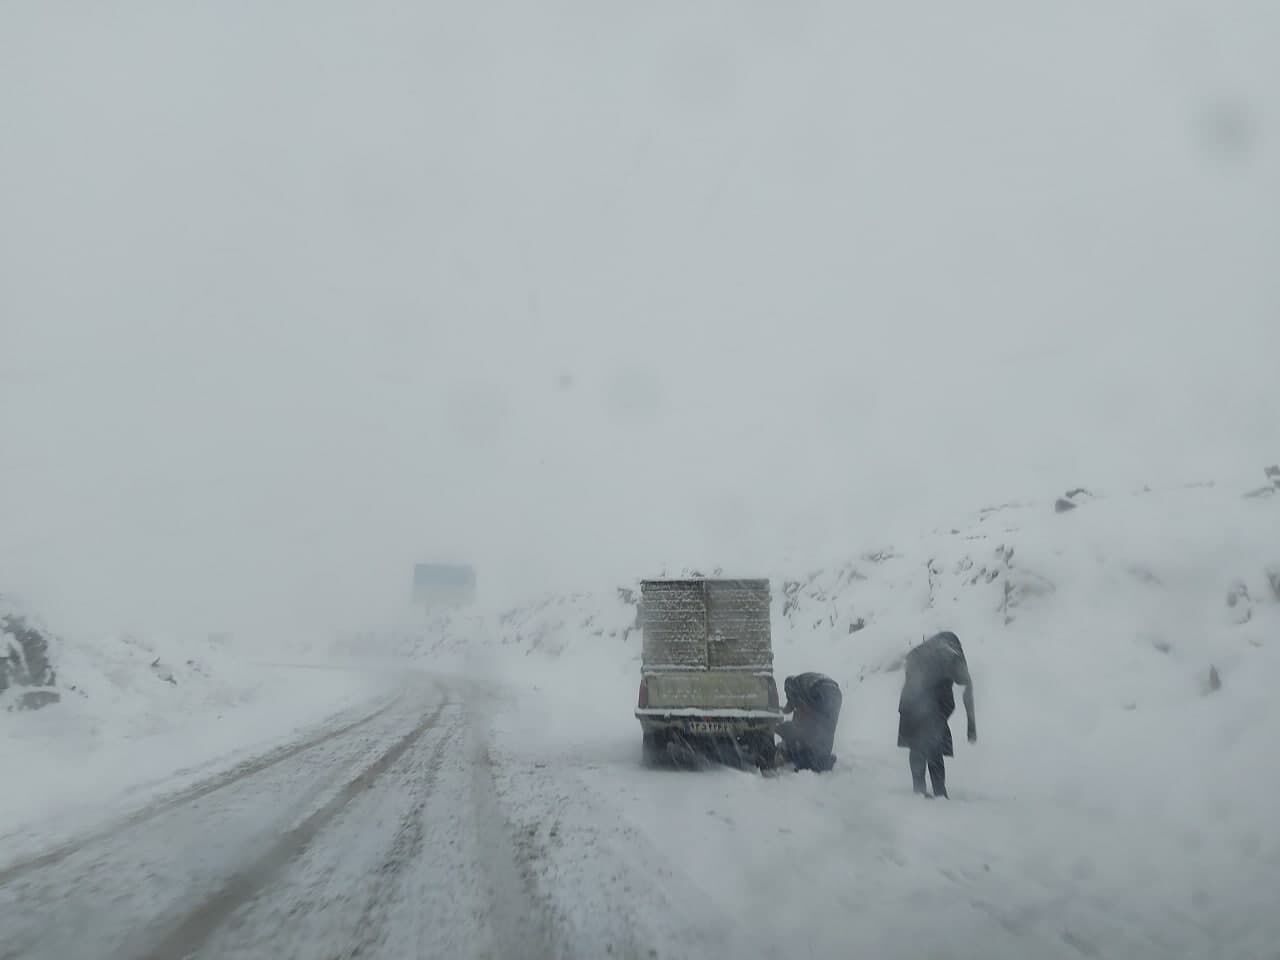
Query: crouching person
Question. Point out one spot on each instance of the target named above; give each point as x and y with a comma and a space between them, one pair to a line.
813, 700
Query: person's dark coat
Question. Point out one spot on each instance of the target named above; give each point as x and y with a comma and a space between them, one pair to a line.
928, 699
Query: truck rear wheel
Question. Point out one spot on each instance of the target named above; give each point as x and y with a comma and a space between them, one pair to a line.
764, 750
653, 748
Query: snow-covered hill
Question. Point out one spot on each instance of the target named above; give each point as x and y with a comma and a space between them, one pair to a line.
122, 676
1163, 582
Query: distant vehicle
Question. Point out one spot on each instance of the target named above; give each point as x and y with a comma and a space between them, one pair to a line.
446, 585
706, 674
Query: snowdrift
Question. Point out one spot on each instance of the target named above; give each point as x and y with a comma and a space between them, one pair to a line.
122, 677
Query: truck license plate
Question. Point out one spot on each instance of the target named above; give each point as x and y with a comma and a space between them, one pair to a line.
708, 726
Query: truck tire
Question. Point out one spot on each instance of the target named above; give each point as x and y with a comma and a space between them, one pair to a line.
764, 750
653, 749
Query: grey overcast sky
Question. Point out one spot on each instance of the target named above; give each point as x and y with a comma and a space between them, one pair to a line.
295, 293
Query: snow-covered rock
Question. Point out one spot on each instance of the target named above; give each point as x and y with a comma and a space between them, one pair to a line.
26, 668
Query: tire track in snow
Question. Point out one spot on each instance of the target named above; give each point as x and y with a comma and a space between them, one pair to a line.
613, 891
198, 791
190, 934
371, 929
522, 924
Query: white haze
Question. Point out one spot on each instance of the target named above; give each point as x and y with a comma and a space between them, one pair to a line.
294, 294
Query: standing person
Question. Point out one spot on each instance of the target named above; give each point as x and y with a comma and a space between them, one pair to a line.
814, 699
926, 705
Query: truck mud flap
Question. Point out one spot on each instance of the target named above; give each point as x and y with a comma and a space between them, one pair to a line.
699, 753
686, 754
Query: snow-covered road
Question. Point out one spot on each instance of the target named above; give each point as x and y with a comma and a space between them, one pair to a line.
378, 836
455, 817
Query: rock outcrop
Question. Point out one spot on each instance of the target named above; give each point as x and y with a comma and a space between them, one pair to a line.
25, 664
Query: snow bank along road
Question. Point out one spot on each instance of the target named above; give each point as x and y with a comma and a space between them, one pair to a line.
463, 819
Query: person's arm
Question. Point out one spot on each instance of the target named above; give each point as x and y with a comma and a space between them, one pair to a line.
800, 702
963, 677
968, 709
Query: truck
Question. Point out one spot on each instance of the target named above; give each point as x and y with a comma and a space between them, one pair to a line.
706, 670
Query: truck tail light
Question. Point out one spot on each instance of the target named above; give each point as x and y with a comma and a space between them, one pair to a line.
642, 701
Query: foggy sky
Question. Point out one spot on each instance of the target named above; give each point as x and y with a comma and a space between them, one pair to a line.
294, 294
